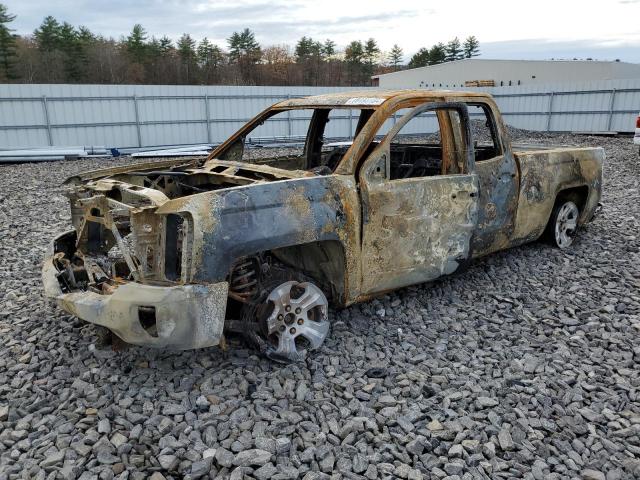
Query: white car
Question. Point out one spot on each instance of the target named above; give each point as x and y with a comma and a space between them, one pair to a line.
636, 137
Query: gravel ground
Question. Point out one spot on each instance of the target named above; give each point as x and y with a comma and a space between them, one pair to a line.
525, 366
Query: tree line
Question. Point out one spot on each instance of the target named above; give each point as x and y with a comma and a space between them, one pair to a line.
58, 52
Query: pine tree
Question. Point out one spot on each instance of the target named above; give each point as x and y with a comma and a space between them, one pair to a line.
250, 46
235, 49
186, 47
304, 48
437, 54
354, 52
471, 47
210, 56
371, 54
7, 45
48, 34
453, 50
371, 51
165, 45
328, 48
136, 45
396, 56
86, 36
354, 55
244, 46
420, 59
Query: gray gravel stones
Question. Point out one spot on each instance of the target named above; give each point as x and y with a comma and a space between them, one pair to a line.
524, 366
252, 457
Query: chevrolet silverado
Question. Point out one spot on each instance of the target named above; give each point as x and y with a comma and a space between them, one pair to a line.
384, 189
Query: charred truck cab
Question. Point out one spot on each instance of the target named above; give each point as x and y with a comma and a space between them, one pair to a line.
388, 189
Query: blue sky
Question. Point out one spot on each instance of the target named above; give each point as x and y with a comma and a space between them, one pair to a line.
604, 29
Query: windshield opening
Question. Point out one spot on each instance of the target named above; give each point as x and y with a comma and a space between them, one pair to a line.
300, 139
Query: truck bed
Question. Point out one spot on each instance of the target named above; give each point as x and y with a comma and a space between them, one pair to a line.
547, 170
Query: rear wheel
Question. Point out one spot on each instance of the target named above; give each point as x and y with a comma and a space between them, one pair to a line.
288, 318
563, 223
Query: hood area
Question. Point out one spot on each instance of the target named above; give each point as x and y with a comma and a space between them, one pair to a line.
162, 181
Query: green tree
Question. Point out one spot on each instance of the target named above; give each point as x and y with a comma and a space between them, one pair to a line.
244, 46
186, 48
7, 45
304, 48
86, 36
328, 48
209, 55
136, 45
396, 56
471, 47
420, 59
73, 53
245, 51
453, 50
437, 54
48, 34
354, 56
354, 53
371, 54
165, 45
309, 53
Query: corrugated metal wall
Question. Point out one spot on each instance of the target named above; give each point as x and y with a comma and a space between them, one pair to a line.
598, 106
149, 115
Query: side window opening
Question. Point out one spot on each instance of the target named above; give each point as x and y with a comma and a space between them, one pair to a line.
483, 132
420, 149
301, 139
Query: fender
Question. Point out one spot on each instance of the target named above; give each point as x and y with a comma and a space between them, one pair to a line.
239, 221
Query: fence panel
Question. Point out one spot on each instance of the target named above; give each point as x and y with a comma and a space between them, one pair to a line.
158, 115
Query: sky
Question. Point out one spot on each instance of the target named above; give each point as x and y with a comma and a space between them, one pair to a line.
542, 29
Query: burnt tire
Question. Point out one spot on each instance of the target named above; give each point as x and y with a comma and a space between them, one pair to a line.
104, 336
563, 223
288, 318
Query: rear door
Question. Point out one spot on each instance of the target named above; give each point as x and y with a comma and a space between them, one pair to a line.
419, 199
498, 176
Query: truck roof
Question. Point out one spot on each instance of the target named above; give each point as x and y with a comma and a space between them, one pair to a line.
372, 98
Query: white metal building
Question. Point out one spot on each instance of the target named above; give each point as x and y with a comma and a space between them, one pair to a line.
474, 72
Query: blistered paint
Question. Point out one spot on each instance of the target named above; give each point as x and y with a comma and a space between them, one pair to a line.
392, 233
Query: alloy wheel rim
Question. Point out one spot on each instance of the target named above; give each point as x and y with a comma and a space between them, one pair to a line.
299, 320
566, 224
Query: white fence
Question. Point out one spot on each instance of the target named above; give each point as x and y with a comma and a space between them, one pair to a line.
148, 115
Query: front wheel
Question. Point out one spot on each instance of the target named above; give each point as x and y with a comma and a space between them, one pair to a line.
563, 224
288, 318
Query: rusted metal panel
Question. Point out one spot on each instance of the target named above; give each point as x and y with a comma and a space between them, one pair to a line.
417, 230
153, 240
544, 173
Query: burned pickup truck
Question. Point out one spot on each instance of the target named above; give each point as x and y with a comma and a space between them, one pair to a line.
383, 189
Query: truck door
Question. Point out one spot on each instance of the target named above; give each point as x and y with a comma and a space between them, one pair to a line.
498, 177
419, 199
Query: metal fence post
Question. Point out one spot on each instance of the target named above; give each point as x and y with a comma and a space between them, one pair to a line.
611, 103
350, 123
289, 130
550, 111
135, 107
45, 109
206, 112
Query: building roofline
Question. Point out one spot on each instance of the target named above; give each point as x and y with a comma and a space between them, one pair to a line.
506, 60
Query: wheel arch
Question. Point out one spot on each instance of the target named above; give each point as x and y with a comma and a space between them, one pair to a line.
578, 195
324, 261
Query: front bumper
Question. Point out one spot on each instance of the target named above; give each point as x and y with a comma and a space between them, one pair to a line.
183, 316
